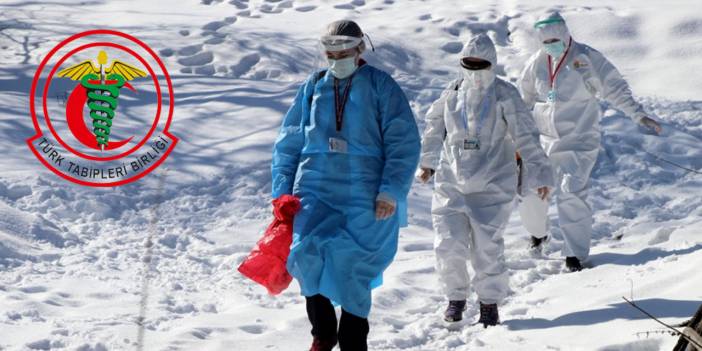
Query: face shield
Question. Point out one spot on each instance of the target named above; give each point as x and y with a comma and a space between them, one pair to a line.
340, 54
339, 42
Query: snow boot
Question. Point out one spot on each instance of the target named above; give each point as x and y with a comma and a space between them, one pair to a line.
322, 344
454, 311
489, 315
537, 244
573, 264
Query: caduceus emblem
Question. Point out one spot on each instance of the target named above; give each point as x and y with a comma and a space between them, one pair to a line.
102, 84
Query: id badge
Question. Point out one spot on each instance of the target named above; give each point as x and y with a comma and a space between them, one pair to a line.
551, 96
338, 145
471, 144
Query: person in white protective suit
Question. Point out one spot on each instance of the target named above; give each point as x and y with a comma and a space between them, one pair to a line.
471, 134
563, 83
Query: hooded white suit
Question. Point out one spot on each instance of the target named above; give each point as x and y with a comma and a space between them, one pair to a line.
569, 127
474, 188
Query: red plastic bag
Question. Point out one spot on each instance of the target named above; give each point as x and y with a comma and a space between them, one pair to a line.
266, 263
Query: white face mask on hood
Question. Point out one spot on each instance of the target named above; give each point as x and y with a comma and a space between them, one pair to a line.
478, 79
482, 47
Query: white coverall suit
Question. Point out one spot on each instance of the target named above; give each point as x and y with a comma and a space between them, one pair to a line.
569, 125
475, 188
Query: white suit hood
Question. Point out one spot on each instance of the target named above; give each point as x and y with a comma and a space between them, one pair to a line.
482, 47
552, 25
475, 82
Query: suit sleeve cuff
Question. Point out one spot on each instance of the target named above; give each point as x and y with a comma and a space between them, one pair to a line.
386, 197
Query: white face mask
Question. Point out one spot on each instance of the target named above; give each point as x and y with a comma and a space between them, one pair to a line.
342, 68
478, 79
555, 49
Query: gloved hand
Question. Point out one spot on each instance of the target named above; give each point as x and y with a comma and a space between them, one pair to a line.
426, 174
543, 192
651, 124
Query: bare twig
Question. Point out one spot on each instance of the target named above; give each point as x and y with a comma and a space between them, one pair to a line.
677, 332
672, 163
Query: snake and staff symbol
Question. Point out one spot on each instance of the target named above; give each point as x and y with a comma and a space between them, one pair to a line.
100, 85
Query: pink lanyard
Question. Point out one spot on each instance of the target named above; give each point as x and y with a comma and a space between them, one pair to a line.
551, 74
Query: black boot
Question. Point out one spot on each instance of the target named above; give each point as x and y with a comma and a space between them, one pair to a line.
489, 315
322, 345
353, 332
537, 244
573, 264
321, 314
454, 311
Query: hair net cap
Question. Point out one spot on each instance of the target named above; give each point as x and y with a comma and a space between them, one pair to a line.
345, 27
482, 47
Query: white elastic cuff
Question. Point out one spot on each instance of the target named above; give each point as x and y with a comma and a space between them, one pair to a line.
428, 162
386, 197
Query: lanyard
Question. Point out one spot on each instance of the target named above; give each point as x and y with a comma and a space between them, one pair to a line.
551, 74
339, 103
484, 110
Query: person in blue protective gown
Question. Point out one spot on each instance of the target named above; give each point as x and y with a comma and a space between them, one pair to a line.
348, 148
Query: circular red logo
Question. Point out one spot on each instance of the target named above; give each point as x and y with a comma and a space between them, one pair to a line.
101, 102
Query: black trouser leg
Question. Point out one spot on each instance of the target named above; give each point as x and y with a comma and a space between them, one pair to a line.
353, 332
321, 313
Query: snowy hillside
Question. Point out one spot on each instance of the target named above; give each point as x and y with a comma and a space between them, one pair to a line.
73, 268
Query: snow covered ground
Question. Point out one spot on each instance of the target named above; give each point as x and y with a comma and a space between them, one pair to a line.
72, 259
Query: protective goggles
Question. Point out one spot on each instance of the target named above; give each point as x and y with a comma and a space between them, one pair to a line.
339, 42
473, 64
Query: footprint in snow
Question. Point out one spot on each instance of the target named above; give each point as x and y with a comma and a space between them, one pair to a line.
345, 7
216, 25
189, 50
201, 333
267, 8
306, 8
215, 41
245, 64
240, 4
200, 59
33, 289
166, 52
253, 329
452, 47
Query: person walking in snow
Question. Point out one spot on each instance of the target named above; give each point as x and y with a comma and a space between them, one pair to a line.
348, 148
471, 134
562, 83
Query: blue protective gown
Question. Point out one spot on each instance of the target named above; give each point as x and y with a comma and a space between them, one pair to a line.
339, 249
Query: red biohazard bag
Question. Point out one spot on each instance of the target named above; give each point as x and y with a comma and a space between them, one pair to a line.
266, 262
